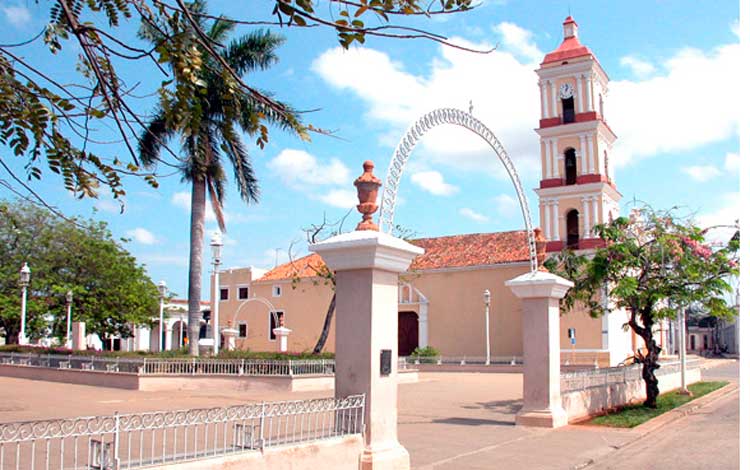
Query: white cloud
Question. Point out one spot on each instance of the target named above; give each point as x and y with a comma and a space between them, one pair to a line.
732, 162
677, 110
433, 182
726, 215
504, 92
701, 173
518, 40
18, 15
507, 205
640, 68
142, 236
299, 169
473, 215
671, 111
108, 205
342, 198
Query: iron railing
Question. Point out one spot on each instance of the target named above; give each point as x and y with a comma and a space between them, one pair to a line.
590, 378
156, 438
176, 366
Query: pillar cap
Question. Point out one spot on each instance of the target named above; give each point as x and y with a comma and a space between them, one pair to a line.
540, 284
366, 249
282, 331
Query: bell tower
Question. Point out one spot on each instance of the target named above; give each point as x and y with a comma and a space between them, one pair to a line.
577, 189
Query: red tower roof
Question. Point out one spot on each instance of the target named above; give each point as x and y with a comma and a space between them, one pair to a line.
570, 47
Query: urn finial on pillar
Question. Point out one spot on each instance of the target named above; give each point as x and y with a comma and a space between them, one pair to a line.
367, 192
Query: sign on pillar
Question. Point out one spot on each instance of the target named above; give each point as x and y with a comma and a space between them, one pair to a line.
540, 293
367, 264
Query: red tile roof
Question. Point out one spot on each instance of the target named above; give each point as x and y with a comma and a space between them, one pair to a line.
569, 49
454, 251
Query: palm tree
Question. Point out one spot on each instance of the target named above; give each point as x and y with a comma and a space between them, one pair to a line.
208, 122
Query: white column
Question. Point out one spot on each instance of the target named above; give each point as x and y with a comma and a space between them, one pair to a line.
595, 207
555, 163
580, 96
282, 334
367, 264
547, 220
590, 150
540, 295
548, 155
545, 105
586, 227
555, 220
554, 99
424, 332
590, 91
582, 148
168, 338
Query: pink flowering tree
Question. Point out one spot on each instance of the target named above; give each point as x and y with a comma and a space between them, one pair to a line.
652, 264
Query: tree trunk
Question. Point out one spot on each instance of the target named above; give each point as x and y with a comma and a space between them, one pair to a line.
326, 326
651, 360
197, 226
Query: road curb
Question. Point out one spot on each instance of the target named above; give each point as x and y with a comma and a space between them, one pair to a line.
639, 432
683, 410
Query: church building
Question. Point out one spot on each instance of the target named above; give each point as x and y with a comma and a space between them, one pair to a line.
441, 300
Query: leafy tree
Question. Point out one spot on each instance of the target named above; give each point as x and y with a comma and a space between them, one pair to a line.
57, 124
111, 292
208, 126
651, 265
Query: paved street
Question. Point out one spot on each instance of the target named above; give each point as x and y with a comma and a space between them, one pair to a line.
446, 421
705, 439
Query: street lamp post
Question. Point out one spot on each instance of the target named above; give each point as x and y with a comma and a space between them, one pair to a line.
487, 325
68, 304
24, 278
162, 294
216, 244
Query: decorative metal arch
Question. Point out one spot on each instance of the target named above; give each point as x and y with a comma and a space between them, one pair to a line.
409, 141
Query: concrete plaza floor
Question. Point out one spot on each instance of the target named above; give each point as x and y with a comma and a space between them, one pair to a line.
446, 421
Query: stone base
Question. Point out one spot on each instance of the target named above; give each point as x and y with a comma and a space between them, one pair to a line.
542, 418
392, 458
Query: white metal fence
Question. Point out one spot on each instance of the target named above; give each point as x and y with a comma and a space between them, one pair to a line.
154, 438
176, 366
590, 378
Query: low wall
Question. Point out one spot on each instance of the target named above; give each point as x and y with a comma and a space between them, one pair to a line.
582, 404
341, 453
94, 378
160, 383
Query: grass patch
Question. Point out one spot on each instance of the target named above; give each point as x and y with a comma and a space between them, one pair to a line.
633, 415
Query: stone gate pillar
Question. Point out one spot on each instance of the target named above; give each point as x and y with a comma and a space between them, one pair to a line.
367, 264
540, 295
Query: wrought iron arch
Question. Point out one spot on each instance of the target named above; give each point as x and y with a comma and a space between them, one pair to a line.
405, 147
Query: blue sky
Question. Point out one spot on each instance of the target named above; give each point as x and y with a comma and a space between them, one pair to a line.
672, 80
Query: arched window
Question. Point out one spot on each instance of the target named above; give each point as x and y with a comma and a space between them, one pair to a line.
569, 113
571, 229
570, 166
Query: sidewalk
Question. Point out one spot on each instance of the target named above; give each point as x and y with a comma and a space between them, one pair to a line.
462, 433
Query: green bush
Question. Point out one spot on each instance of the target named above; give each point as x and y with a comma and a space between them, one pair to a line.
427, 351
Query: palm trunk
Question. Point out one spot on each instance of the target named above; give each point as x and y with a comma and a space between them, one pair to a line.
197, 226
326, 326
